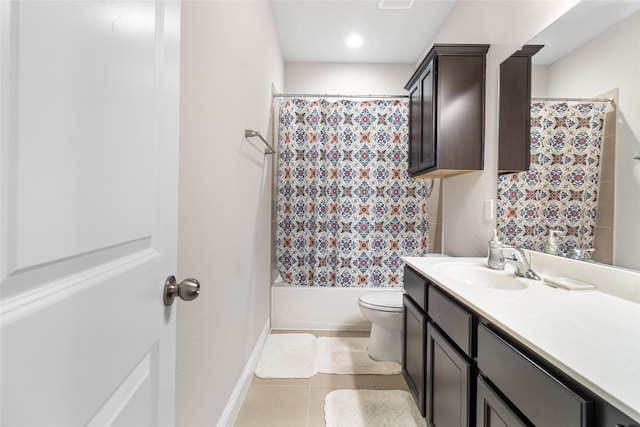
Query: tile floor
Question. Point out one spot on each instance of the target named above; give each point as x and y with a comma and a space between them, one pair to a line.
300, 402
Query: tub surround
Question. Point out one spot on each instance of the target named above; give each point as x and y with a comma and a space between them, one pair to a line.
591, 336
319, 308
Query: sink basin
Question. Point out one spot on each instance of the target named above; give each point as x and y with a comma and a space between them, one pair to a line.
482, 276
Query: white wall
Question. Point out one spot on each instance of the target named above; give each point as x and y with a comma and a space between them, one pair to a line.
610, 61
505, 26
347, 79
230, 58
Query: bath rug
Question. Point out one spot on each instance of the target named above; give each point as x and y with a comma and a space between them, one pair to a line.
348, 355
371, 408
288, 356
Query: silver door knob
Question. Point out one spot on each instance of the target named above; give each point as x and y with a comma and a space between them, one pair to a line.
187, 290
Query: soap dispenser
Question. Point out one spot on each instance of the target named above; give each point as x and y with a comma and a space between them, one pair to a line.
496, 257
551, 243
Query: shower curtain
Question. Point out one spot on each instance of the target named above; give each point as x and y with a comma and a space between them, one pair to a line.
347, 211
560, 189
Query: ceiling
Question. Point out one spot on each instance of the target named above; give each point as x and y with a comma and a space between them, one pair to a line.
316, 30
583, 22
399, 31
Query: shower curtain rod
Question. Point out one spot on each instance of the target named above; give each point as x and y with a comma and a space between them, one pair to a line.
608, 100
328, 95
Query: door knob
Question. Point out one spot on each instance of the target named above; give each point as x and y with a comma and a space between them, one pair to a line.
187, 290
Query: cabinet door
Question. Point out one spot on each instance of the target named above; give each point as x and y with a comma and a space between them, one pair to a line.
492, 411
413, 357
540, 396
415, 286
608, 416
515, 111
448, 383
415, 128
428, 138
514, 133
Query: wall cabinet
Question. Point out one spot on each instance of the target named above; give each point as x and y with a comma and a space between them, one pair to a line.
446, 111
514, 132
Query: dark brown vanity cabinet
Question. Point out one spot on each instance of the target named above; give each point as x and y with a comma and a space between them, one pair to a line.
515, 111
413, 352
414, 332
492, 410
450, 367
463, 371
449, 384
541, 397
436, 359
446, 111
514, 389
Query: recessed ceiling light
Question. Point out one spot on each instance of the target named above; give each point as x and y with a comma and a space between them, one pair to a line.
354, 41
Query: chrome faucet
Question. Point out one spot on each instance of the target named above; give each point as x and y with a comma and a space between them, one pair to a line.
520, 263
581, 254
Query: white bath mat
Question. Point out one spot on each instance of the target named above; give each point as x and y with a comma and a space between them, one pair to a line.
288, 356
371, 408
348, 355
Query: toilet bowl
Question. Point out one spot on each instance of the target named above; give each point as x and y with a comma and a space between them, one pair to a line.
384, 311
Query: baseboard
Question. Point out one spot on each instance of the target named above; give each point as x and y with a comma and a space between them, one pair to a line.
232, 409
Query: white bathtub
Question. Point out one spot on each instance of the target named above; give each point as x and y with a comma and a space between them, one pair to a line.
318, 308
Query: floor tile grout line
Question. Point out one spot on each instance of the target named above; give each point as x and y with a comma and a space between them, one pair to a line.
309, 404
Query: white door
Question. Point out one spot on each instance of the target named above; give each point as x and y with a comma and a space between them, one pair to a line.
88, 193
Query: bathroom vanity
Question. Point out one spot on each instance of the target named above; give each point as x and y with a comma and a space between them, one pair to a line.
484, 348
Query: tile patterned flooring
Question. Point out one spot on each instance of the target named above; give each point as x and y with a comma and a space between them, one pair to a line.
300, 402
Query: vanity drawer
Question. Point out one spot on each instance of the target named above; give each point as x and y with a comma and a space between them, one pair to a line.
416, 287
456, 322
542, 398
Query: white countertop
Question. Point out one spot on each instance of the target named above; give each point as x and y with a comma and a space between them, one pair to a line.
591, 336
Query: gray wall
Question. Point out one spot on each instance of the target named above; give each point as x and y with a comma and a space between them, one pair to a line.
230, 59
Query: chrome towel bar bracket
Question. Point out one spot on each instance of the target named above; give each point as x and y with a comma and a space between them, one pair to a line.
248, 133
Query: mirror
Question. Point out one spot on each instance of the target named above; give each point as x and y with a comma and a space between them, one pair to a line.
589, 53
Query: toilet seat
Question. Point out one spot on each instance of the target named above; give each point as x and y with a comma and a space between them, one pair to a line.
382, 301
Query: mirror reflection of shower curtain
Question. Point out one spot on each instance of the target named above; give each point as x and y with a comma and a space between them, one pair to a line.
560, 189
347, 211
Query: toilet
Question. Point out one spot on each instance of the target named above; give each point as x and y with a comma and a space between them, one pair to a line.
384, 311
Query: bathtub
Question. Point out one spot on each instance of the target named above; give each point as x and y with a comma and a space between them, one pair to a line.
318, 308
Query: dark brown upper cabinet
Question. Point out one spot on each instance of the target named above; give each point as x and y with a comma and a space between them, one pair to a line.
446, 111
515, 111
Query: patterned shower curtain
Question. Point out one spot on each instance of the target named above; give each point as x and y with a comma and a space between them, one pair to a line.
346, 207
560, 189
